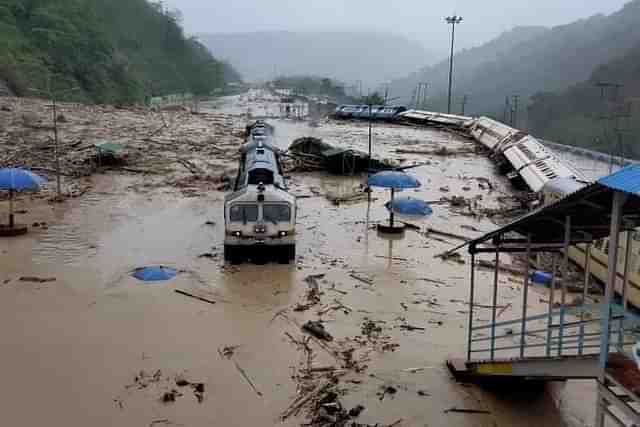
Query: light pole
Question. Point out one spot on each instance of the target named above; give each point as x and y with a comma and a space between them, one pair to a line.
453, 20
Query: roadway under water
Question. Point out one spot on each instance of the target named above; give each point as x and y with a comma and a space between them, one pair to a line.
96, 347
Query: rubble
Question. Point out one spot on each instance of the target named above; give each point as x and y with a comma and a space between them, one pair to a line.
316, 328
153, 141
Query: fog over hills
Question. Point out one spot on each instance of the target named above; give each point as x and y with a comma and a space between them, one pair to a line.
368, 56
528, 60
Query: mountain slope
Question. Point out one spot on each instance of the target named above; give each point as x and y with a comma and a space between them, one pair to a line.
115, 51
370, 57
545, 60
584, 114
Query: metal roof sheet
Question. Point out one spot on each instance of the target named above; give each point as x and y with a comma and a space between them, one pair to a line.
626, 179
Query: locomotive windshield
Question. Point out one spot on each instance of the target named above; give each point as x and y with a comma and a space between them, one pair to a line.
243, 213
276, 213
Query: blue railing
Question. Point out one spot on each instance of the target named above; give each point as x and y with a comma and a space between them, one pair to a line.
564, 331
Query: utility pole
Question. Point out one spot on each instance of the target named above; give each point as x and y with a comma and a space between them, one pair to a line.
464, 103
423, 100
453, 21
413, 98
609, 117
507, 108
514, 120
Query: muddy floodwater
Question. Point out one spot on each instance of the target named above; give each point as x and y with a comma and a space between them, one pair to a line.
95, 347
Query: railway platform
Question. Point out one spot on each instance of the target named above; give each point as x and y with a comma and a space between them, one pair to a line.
570, 340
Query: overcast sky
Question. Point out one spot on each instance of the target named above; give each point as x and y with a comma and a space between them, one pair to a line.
420, 20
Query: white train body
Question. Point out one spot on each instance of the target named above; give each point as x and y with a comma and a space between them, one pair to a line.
523, 157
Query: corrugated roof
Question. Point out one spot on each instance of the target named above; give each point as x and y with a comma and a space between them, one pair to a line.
627, 180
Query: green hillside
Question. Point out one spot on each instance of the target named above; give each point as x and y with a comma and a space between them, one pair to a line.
529, 60
115, 51
592, 116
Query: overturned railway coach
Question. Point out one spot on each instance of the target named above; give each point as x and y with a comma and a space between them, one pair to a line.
260, 214
530, 163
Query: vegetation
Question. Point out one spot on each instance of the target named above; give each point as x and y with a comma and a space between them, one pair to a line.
310, 85
116, 51
593, 116
374, 99
528, 60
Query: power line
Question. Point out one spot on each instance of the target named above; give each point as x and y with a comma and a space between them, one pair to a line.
610, 118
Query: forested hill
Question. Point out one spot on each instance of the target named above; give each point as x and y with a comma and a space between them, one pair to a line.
544, 60
103, 51
595, 113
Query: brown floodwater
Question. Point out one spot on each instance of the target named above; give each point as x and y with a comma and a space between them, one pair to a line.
72, 348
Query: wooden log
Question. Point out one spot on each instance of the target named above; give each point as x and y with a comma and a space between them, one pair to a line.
181, 292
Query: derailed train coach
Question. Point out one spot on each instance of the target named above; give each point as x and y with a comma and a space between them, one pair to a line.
364, 112
533, 165
524, 159
260, 214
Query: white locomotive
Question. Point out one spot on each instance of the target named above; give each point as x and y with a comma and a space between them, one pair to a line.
260, 215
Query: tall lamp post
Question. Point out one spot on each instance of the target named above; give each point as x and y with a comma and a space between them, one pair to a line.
453, 20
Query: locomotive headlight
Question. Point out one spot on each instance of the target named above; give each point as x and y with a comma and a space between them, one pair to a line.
283, 233
237, 233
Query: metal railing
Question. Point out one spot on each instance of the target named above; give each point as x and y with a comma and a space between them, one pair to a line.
564, 331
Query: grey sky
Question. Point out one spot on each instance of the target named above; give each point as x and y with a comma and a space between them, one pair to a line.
421, 20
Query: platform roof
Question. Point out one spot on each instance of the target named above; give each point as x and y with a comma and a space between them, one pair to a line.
589, 210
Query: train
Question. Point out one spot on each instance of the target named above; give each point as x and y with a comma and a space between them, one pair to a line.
260, 213
378, 112
530, 163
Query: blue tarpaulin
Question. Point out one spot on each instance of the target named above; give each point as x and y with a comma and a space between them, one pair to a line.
408, 206
154, 273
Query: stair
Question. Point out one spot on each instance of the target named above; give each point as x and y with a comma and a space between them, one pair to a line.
619, 403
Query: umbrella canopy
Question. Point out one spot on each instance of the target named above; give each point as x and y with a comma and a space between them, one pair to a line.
408, 206
16, 179
154, 273
393, 180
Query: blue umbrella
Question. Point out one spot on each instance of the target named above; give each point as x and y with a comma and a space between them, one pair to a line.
154, 273
16, 179
408, 206
395, 181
